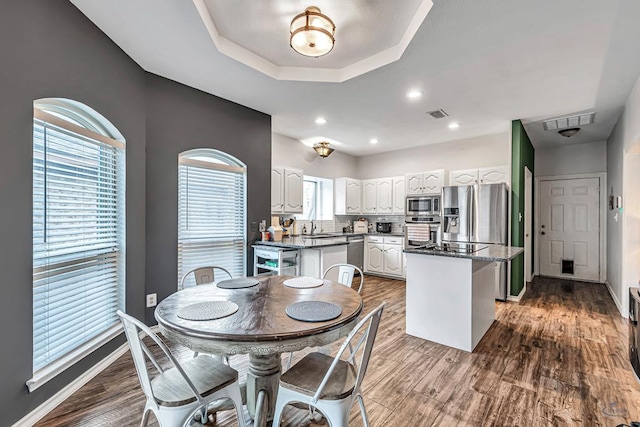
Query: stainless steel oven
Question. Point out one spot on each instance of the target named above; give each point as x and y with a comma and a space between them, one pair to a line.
417, 206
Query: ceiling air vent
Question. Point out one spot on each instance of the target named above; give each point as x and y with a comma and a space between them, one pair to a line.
569, 122
438, 114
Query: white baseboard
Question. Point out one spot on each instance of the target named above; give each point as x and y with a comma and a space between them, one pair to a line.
615, 299
50, 404
520, 295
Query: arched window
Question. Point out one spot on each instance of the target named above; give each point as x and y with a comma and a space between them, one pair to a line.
211, 212
78, 234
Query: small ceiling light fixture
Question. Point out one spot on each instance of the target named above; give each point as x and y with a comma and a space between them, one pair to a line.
373, 141
321, 121
454, 125
415, 94
568, 133
312, 33
323, 149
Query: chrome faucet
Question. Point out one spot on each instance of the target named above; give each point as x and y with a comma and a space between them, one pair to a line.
313, 228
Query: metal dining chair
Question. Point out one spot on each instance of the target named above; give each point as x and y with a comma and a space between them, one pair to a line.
203, 275
329, 384
346, 272
183, 392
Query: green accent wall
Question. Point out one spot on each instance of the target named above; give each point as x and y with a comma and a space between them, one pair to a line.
522, 155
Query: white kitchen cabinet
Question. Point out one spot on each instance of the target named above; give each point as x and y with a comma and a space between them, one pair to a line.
425, 182
491, 175
383, 255
384, 204
494, 175
393, 260
464, 177
398, 195
374, 258
277, 189
369, 196
347, 196
286, 190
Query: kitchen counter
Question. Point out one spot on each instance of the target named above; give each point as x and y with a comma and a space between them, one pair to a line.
328, 235
298, 242
490, 253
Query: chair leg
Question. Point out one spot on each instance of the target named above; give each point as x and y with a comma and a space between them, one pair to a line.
236, 397
363, 411
145, 417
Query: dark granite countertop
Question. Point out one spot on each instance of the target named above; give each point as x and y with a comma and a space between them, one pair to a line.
298, 242
490, 253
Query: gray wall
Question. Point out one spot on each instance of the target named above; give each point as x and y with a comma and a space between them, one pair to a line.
572, 159
180, 118
49, 49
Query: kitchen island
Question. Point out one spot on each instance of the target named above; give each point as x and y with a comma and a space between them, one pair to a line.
450, 295
316, 254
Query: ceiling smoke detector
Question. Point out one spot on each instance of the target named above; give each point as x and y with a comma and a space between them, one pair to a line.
569, 122
438, 114
568, 133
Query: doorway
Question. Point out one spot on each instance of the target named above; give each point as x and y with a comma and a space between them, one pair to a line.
569, 228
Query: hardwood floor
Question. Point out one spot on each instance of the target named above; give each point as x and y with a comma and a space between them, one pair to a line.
558, 358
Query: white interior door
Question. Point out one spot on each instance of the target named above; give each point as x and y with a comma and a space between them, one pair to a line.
570, 227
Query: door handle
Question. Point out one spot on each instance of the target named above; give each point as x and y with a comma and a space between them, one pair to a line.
543, 233
542, 226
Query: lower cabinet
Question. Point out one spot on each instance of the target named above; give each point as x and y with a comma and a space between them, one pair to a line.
383, 255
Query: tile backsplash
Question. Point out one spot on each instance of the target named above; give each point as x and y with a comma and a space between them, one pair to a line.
340, 221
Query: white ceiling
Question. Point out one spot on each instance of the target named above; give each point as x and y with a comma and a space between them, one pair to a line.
485, 62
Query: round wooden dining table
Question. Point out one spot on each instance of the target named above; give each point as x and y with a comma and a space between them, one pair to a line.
260, 328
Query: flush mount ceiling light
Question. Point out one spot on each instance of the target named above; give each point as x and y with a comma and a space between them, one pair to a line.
415, 94
373, 141
323, 149
321, 121
312, 33
568, 133
454, 125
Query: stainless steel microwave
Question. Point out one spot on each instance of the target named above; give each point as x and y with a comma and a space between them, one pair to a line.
422, 205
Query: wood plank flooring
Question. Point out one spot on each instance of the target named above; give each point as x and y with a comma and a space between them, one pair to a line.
558, 358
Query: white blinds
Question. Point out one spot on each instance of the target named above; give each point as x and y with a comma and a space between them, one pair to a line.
211, 217
78, 238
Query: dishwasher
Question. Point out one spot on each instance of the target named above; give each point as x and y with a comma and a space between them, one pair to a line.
355, 250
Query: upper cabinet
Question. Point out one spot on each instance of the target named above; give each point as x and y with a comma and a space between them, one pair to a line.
492, 175
348, 196
384, 196
369, 196
399, 195
286, 190
425, 182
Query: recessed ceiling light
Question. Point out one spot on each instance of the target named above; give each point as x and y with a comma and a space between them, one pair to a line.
321, 121
373, 141
414, 94
454, 125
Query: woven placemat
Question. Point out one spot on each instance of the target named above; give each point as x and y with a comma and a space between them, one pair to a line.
313, 311
208, 310
239, 283
303, 282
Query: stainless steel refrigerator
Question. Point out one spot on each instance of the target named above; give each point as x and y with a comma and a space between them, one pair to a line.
477, 214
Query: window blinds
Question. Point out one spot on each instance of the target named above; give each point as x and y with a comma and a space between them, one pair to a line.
78, 238
211, 217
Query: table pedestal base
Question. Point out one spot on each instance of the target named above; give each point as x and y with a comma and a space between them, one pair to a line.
262, 386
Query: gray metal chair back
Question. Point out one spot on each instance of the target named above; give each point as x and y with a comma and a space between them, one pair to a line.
346, 272
203, 275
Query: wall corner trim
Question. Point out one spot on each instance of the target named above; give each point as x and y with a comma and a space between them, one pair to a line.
520, 295
623, 313
41, 411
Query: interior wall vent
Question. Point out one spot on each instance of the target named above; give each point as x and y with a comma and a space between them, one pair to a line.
569, 122
438, 114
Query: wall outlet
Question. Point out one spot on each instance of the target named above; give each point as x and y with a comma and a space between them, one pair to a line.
152, 300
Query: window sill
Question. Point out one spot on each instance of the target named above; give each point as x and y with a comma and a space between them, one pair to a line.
53, 369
